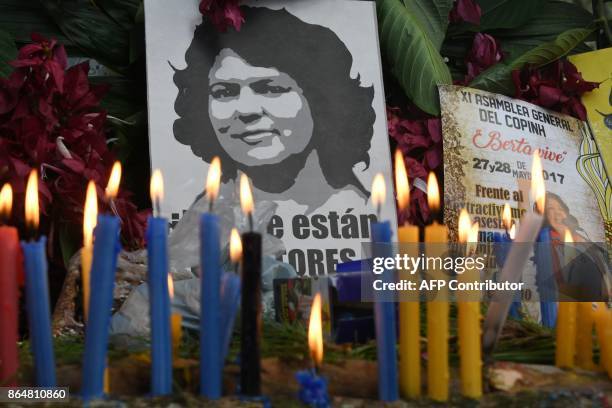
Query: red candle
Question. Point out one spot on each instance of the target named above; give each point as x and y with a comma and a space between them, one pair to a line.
9, 257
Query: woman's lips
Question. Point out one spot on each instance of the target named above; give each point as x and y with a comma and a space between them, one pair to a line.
256, 136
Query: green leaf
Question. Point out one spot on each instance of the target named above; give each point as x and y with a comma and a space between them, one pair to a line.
508, 13
123, 12
92, 30
498, 77
432, 17
8, 52
414, 58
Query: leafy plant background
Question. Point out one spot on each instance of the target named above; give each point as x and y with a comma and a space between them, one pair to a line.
420, 51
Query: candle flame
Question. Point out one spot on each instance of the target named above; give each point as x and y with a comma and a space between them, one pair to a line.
465, 226
315, 331
401, 181
90, 214
512, 232
379, 190
568, 237
246, 197
170, 286
6, 201
433, 192
32, 214
213, 179
538, 190
235, 246
157, 186
507, 216
112, 188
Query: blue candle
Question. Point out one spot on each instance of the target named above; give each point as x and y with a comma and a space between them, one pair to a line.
39, 315
105, 251
211, 362
313, 389
159, 302
545, 278
384, 315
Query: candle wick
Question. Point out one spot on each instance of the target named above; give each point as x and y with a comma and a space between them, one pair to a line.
157, 208
378, 211
111, 204
210, 205
250, 221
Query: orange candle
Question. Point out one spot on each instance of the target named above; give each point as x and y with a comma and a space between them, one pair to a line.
9, 261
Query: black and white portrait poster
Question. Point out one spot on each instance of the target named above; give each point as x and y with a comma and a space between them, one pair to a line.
294, 100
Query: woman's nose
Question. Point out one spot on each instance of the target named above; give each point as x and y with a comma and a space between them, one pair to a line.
248, 105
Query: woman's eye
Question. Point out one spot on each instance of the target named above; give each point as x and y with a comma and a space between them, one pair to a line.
271, 89
223, 92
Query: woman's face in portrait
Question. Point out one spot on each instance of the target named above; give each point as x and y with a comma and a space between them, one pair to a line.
556, 214
259, 114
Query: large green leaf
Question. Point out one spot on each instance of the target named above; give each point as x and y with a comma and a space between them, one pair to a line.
508, 13
92, 30
432, 17
8, 52
498, 77
414, 58
123, 12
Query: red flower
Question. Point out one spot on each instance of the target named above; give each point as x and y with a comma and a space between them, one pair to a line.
419, 137
50, 119
465, 11
223, 13
557, 86
485, 52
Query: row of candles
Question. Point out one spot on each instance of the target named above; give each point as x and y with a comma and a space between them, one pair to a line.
99, 261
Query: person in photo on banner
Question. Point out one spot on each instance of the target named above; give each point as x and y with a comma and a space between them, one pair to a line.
276, 101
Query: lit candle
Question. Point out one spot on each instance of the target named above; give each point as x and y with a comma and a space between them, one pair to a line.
504, 241
516, 261
384, 309
176, 321
250, 359
106, 247
313, 388
436, 236
584, 336
90, 216
409, 316
469, 316
37, 290
159, 298
230, 292
211, 362
9, 291
566, 322
603, 324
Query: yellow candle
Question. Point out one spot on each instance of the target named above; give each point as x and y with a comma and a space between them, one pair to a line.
437, 311
603, 325
566, 321
468, 317
566, 335
409, 316
584, 336
176, 321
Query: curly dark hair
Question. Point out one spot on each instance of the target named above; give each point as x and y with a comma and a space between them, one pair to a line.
317, 60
